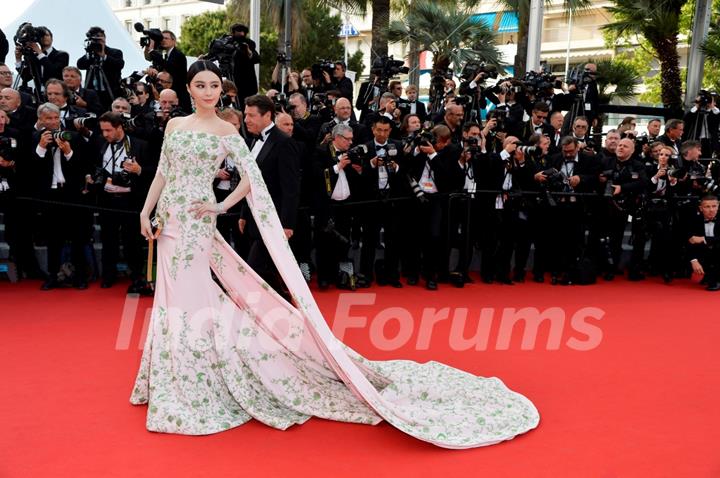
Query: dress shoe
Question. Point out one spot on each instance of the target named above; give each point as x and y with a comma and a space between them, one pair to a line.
431, 285
635, 276
412, 281
362, 283
323, 284
106, 283
608, 276
519, 277
505, 280
539, 278
713, 286
395, 283
554, 279
487, 280
565, 280
468, 280
80, 284
50, 284
667, 277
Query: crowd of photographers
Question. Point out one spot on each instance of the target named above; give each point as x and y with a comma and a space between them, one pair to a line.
414, 180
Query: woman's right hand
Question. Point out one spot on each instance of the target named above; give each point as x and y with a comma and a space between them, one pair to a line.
146, 228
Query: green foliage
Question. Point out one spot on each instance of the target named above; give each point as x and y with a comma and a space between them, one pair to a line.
198, 30
446, 32
355, 62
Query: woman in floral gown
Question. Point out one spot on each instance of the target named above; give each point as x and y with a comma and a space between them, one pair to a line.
216, 357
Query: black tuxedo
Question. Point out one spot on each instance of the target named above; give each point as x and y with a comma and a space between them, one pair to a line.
279, 163
113, 225
528, 129
344, 86
360, 131
64, 222
4, 46
244, 72
587, 167
112, 65
708, 254
420, 109
176, 65
52, 65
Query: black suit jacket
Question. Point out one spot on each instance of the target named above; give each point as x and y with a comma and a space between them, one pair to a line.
53, 64
176, 65
244, 72
139, 151
92, 99
73, 169
395, 182
324, 160
279, 164
4, 46
420, 108
588, 168
696, 227
112, 65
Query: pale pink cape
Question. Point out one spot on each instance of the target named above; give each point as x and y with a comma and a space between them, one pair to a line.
261, 357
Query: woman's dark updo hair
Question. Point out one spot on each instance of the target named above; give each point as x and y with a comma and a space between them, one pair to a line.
203, 65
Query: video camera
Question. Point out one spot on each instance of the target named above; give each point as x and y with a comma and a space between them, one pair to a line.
580, 77
321, 66
93, 45
319, 102
387, 66
60, 135
222, 48
421, 137
704, 98
27, 33
538, 84
358, 153
153, 34
89, 121
473, 69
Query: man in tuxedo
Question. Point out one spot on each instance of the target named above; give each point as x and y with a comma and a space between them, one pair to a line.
126, 174
537, 124
6, 81
339, 181
672, 137
277, 157
556, 123
339, 81
343, 115
49, 60
704, 243
79, 96
111, 62
244, 60
384, 185
416, 107
58, 94
60, 173
174, 62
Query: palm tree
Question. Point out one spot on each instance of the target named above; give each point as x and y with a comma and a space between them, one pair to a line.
522, 9
449, 33
711, 46
616, 79
658, 22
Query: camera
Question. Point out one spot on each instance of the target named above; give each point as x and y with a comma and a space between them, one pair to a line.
473, 69
704, 98
530, 151
93, 44
153, 34
612, 176
462, 100
421, 137
88, 121
580, 77
222, 49
416, 189
387, 66
321, 66
281, 103
358, 153
472, 145
319, 102
27, 33
59, 134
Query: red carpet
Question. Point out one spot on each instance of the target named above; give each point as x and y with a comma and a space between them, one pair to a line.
642, 403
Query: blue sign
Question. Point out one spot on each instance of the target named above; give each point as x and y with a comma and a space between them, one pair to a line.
348, 30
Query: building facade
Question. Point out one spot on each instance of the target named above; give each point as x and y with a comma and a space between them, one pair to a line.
162, 14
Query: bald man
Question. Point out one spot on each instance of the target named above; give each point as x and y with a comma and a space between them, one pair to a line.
343, 115
284, 122
22, 118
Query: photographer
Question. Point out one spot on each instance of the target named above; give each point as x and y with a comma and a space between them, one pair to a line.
79, 96
340, 182
586, 93
453, 119
244, 61
110, 62
343, 115
58, 94
556, 123
429, 166
49, 60
625, 181
571, 171
659, 211
338, 81
60, 175
672, 137
172, 61
387, 108
4, 46
702, 121
309, 122
537, 124
121, 176
381, 173
703, 233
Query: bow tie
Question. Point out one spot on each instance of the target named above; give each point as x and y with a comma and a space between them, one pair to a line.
379, 147
257, 137
709, 221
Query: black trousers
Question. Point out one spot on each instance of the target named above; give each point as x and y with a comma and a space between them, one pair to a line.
227, 224
117, 226
434, 242
260, 261
66, 223
568, 236
332, 238
383, 215
301, 240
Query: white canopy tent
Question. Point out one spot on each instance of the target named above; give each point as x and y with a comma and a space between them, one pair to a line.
69, 20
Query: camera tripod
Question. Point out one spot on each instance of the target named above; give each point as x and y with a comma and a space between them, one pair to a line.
97, 80
30, 63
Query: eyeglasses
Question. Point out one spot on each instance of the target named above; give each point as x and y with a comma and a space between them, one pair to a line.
6, 73
346, 138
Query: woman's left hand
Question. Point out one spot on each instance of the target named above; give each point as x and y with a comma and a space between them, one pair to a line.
201, 208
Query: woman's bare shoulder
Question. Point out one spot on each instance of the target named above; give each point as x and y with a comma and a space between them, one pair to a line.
223, 128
